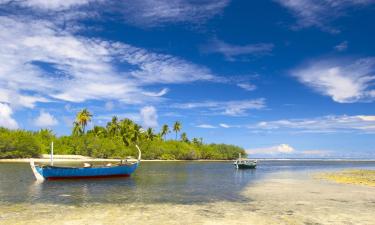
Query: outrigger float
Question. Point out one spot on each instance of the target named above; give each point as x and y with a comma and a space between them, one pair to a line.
50, 172
241, 163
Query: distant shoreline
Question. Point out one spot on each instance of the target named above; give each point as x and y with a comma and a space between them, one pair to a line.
89, 159
27, 160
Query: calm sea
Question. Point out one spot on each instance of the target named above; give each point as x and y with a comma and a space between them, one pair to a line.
174, 182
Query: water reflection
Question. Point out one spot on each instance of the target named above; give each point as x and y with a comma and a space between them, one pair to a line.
153, 182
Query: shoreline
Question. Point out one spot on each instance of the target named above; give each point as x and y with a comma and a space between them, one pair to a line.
78, 158
27, 160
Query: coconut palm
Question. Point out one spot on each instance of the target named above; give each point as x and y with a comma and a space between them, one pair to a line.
126, 131
83, 117
149, 134
77, 129
184, 137
98, 131
164, 131
136, 133
113, 127
177, 127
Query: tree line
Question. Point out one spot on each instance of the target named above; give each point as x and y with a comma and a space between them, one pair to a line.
115, 140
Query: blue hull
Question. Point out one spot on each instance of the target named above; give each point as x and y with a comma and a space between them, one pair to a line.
51, 172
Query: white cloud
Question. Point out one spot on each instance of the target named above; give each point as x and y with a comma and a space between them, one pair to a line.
157, 94
149, 116
344, 81
53, 4
143, 13
6, 119
40, 62
342, 46
367, 118
319, 13
231, 51
282, 148
109, 106
206, 126
358, 123
45, 119
247, 86
230, 108
224, 125
285, 150
160, 68
150, 13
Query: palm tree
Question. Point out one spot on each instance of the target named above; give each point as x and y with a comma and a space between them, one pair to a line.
77, 129
113, 126
82, 118
198, 141
184, 137
136, 132
98, 131
177, 127
164, 131
150, 134
126, 131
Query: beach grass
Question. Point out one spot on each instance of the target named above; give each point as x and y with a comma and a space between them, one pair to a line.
360, 177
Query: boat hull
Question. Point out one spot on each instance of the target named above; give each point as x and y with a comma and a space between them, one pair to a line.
243, 166
55, 173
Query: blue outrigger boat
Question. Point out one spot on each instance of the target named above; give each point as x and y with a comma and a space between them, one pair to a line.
49, 172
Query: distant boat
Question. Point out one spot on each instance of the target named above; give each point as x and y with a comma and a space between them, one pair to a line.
241, 163
49, 172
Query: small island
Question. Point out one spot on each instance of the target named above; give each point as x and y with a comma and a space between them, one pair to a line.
116, 140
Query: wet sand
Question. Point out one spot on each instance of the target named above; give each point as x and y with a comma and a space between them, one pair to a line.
283, 198
360, 177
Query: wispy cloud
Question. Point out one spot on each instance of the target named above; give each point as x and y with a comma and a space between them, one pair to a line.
343, 80
56, 5
230, 108
342, 46
206, 126
320, 13
224, 125
247, 86
231, 51
356, 123
151, 13
41, 63
141, 13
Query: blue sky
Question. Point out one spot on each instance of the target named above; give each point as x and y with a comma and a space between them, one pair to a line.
281, 78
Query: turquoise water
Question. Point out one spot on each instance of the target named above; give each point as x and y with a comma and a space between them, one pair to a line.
154, 182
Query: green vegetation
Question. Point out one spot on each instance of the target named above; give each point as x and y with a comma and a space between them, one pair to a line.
116, 140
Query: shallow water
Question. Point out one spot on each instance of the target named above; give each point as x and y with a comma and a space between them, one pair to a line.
154, 182
277, 192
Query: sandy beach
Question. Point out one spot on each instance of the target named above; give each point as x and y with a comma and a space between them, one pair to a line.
282, 198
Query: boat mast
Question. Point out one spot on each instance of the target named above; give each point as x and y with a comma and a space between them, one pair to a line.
52, 153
